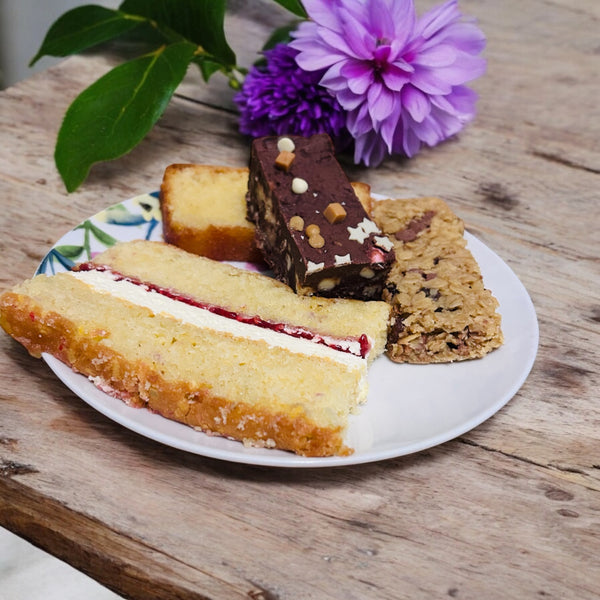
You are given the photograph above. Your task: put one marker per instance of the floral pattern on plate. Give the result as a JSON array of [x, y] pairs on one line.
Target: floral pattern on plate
[[135, 219]]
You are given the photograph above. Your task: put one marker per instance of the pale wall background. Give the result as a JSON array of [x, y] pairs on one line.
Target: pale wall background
[[23, 24]]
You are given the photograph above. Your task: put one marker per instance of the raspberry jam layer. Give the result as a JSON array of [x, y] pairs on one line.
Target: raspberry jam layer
[[358, 346]]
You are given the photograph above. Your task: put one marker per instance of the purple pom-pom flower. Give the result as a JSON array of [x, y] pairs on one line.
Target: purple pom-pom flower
[[400, 79], [281, 98]]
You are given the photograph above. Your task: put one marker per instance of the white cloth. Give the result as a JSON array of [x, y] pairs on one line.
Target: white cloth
[[28, 573]]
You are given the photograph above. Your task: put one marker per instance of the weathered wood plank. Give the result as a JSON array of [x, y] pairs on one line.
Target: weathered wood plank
[[509, 508]]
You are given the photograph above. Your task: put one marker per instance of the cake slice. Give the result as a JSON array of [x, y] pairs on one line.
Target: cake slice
[[358, 326], [190, 357], [311, 228], [204, 211], [441, 311]]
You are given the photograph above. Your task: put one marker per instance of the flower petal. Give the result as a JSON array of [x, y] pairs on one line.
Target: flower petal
[[359, 76], [369, 149], [381, 23], [348, 100], [398, 80], [465, 68], [350, 45], [380, 101], [461, 101], [441, 55], [429, 131], [404, 18], [324, 14], [445, 124], [280, 97], [317, 58], [359, 120], [395, 77], [333, 80], [360, 39], [406, 141], [437, 18], [430, 81], [416, 103], [388, 128], [466, 37]]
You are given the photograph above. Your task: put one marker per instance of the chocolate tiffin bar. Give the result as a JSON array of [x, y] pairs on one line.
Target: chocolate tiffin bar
[[310, 226]]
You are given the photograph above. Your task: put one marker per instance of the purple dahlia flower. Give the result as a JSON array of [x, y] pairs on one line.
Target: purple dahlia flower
[[280, 98], [401, 79]]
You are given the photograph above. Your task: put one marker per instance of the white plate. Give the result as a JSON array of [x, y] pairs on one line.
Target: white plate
[[410, 407]]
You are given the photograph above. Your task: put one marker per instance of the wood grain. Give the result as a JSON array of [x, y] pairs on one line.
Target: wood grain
[[511, 509]]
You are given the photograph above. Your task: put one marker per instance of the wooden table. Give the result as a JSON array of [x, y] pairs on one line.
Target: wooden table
[[508, 510]]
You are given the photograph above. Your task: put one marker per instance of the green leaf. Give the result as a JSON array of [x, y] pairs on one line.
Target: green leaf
[[294, 6], [281, 35], [207, 66], [102, 236], [82, 28], [115, 113], [200, 21], [70, 251]]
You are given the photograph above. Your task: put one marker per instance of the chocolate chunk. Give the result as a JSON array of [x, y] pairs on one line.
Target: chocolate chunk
[[397, 328], [412, 230], [391, 288], [431, 293], [424, 275]]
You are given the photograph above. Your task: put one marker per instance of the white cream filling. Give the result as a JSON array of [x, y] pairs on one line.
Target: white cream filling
[[108, 283], [352, 346]]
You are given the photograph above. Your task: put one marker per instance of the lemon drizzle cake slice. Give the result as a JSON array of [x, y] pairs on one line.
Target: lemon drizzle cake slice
[[204, 211], [210, 371]]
